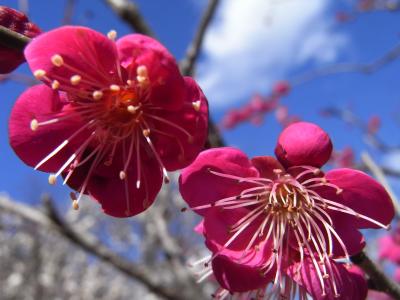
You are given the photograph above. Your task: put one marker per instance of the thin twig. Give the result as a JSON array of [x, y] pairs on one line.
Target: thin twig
[[380, 176], [380, 281], [187, 65], [372, 67], [129, 12], [89, 243]]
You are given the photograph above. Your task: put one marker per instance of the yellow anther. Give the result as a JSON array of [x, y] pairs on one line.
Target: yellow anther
[[115, 88], [132, 109], [146, 132], [34, 125], [112, 35], [75, 79], [339, 191], [316, 171], [142, 71], [55, 84], [129, 82], [196, 105], [97, 95], [75, 205], [142, 74], [122, 175], [57, 60], [39, 74], [52, 179]]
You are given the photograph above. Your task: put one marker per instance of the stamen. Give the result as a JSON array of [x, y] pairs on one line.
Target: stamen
[[122, 175], [52, 179], [75, 79], [34, 125], [196, 105], [115, 88], [39, 74], [142, 74], [112, 35], [132, 109], [57, 60], [75, 204], [97, 95], [55, 84]]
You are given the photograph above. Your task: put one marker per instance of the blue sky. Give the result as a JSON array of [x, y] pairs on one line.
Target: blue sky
[[248, 48]]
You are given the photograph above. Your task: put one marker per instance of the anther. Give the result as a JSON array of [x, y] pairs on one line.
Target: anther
[[112, 35], [57, 60], [34, 125], [142, 74], [196, 105], [115, 88], [75, 79], [97, 95], [277, 171], [183, 209], [129, 82], [75, 205], [325, 276], [122, 175], [55, 84], [323, 180], [166, 180], [339, 191], [52, 179], [316, 171], [39, 74], [132, 109], [146, 132]]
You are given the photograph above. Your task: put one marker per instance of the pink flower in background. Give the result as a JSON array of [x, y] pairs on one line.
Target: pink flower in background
[[281, 88], [344, 158], [111, 117], [373, 125], [273, 219], [389, 246], [16, 21]]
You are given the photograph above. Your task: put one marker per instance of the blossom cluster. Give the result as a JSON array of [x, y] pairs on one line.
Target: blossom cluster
[[113, 116]]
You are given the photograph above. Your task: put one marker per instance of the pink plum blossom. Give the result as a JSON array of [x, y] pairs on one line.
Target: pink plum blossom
[[284, 219], [111, 117]]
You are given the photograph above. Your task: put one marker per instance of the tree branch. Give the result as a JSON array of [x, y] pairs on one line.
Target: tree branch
[[187, 65], [380, 281], [129, 12], [372, 67], [90, 244]]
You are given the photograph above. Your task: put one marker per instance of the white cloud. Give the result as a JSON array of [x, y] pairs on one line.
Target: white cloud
[[252, 43]]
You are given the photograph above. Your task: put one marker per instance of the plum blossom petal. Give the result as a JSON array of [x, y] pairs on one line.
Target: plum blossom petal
[[219, 229], [197, 176], [347, 285], [267, 166], [363, 194], [303, 143], [184, 132], [239, 276], [167, 85], [121, 198], [74, 51], [39, 103]]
